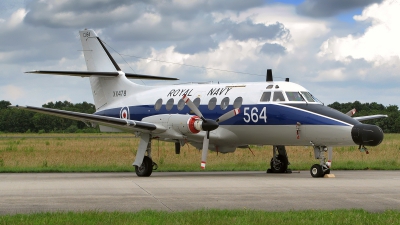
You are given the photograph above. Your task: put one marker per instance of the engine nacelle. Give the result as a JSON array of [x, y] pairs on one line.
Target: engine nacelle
[[182, 124]]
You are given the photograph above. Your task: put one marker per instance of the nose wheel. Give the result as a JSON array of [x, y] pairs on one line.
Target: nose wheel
[[319, 170]]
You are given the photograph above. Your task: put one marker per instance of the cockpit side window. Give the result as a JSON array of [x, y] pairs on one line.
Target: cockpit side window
[[266, 97], [308, 96], [278, 96], [294, 96]]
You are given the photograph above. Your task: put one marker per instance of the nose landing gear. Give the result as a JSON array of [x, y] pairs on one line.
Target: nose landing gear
[[319, 170]]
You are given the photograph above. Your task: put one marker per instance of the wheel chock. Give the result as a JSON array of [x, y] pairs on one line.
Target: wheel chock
[[329, 175]]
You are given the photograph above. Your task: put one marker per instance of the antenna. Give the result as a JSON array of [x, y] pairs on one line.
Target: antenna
[[269, 75]]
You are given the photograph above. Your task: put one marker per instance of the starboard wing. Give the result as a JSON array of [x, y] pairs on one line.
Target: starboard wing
[[362, 118]]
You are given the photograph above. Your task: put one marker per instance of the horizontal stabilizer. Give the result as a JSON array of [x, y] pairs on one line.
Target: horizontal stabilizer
[[101, 74], [127, 125], [362, 118]]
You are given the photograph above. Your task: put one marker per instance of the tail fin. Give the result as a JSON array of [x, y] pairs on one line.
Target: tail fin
[[106, 78], [98, 59]]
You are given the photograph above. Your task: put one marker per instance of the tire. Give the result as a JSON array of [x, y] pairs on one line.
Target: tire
[[316, 171], [279, 165], [145, 169]]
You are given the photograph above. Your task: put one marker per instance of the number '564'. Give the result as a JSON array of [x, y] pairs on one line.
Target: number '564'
[[254, 115]]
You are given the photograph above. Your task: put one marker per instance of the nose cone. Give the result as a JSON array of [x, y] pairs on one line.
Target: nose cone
[[366, 134], [209, 125]]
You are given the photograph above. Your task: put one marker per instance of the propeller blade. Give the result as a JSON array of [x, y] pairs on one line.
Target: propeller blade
[[193, 107], [351, 112], [228, 115], [204, 152]]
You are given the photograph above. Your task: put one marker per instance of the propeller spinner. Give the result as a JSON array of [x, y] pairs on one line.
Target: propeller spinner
[[208, 125]]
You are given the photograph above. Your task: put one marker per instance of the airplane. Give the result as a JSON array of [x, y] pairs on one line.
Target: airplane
[[220, 117]]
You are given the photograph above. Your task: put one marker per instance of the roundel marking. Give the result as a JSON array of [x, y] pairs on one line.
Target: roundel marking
[[124, 113]]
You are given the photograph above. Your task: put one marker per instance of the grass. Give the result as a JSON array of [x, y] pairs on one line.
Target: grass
[[204, 216], [116, 152]]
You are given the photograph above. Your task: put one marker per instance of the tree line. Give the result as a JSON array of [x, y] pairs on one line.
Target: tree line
[[22, 121], [388, 125]]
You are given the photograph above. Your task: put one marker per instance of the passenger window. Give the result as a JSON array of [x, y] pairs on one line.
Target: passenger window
[[278, 96], [181, 104], [158, 104], [170, 104], [224, 103], [212, 103], [237, 103], [196, 102], [308, 96], [266, 97], [294, 96]]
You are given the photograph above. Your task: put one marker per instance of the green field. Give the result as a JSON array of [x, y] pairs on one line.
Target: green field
[[116, 152], [228, 217]]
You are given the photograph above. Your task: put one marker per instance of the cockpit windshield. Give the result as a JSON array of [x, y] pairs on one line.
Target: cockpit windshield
[[294, 96], [308, 96]]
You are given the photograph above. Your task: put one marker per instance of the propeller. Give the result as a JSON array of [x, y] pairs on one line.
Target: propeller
[[208, 125], [351, 112]]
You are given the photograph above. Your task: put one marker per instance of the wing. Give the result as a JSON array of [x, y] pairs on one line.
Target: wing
[[126, 125], [362, 118], [101, 74]]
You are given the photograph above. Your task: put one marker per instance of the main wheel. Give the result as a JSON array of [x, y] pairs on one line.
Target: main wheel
[[146, 168], [316, 171], [279, 165]]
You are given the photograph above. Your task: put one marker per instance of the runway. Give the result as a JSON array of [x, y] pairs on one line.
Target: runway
[[177, 191]]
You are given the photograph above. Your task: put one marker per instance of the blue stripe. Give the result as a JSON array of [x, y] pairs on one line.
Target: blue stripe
[[276, 114]]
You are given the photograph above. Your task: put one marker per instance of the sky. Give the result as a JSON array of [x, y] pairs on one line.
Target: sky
[[340, 50]]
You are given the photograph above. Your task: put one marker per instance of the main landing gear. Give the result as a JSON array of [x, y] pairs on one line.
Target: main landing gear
[[279, 161], [319, 170], [144, 165]]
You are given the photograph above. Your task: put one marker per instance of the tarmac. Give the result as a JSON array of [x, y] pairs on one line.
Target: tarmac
[[373, 191]]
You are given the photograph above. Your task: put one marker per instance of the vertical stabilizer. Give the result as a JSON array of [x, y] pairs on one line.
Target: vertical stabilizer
[[98, 59]]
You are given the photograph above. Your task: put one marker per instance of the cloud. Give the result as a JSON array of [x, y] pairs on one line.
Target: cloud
[[12, 92], [273, 49], [328, 8], [377, 44], [244, 36]]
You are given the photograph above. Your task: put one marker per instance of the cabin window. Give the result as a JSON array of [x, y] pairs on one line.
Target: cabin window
[[237, 103], [308, 96], [196, 102], [266, 96], [181, 104], [294, 96], [170, 104], [158, 104], [212, 103], [270, 86], [224, 103], [278, 96]]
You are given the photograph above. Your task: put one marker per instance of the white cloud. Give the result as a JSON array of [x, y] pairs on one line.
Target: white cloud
[[11, 92], [302, 29], [331, 75], [16, 18], [379, 44]]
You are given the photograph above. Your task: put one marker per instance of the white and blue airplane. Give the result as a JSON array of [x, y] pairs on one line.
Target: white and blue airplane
[[216, 117]]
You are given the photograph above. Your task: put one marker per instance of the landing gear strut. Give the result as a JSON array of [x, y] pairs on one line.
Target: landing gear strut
[[319, 170], [279, 162], [144, 165]]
